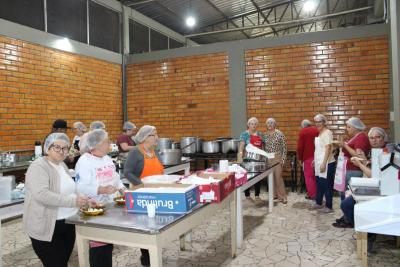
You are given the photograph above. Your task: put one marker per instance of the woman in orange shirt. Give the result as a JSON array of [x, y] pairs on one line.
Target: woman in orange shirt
[[143, 161]]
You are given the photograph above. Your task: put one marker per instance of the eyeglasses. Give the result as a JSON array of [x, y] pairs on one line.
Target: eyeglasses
[[375, 137], [64, 149], [152, 135]]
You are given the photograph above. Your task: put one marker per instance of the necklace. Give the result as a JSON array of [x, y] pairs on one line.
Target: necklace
[[148, 154]]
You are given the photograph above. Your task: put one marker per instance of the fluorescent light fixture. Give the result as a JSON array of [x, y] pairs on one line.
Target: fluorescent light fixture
[[309, 5], [190, 21], [63, 44]]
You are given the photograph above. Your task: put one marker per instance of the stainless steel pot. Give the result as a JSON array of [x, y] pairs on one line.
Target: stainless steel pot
[[170, 156], [249, 156], [188, 145], [164, 143], [210, 146], [230, 146], [254, 166]]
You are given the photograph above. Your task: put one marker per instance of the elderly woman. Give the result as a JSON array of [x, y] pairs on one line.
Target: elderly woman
[[50, 198], [124, 141], [275, 142], [94, 125], [254, 137], [143, 161], [324, 165], [79, 129], [377, 139], [357, 143], [97, 178]]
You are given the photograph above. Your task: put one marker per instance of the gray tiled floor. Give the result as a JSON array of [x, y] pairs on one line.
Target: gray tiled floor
[[290, 236]]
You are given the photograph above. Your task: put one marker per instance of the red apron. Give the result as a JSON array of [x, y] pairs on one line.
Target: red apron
[[256, 141]]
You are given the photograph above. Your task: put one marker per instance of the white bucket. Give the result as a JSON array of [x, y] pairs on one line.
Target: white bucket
[[5, 188]]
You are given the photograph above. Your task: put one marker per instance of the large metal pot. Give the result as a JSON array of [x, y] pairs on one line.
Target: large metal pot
[[176, 145], [250, 156], [188, 145], [230, 146], [170, 156], [164, 143], [210, 146]]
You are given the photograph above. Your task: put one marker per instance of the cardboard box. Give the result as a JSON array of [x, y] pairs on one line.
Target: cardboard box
[[176, 198], [216, 192], [240, 178]]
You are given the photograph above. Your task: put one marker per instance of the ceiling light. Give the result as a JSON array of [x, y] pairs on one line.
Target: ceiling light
[[190, 21], [309, 5]]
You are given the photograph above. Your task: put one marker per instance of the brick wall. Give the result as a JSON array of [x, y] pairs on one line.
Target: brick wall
[[186, 96], [339, 79], [39, 85]]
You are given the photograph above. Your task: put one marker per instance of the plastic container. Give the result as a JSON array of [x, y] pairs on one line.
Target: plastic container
[[5, 188]]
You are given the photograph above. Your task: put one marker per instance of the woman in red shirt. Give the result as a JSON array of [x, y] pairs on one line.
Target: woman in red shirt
[[358, 142]]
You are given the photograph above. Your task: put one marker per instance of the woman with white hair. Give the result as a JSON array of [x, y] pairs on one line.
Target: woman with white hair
[[97, 178], [254, 137], [94, 125], [142, 161], [378, 139], [50, 197], [275, 142], [324, 165], [358, 143], [125, 142]]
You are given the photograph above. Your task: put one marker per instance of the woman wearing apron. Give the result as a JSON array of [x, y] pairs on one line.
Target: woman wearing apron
[[324, 165], [143, 161], [254, 137]]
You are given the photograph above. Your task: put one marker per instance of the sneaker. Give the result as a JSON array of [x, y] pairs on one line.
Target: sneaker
[[325, 210], [342, 225], [316, 207]]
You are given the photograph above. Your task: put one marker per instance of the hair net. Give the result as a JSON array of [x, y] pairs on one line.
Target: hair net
[[305, 123], [95, 137], [380, 131], [356, 123], [97, 125], [54, 137], [252, 120], [128, 126], [80, 126], [271, 120], [320, 117], [143, 133]]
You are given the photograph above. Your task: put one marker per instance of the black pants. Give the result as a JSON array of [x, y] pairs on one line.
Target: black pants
[[101, 256], [257, 189], [59, 249]]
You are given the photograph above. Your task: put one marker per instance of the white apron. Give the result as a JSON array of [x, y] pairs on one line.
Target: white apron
[[319, 154]]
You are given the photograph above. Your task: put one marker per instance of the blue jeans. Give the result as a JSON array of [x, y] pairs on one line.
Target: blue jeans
[[325, 187], [347, 206], [349, 174]]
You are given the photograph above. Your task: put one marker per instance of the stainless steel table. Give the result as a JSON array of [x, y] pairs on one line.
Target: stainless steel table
[[252, 181], [20, 165], [117, 226]]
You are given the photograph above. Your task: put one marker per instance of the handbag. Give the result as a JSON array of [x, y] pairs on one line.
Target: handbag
[[340, 174]]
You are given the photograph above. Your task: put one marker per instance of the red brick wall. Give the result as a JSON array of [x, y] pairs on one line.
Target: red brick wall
[[39, 85], [187, 96], [339, 79]]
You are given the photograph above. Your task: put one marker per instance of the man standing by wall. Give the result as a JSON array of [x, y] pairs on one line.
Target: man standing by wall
[[305, 153]]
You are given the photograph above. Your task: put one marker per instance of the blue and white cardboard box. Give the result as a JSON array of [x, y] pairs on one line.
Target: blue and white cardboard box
[[168, 198]]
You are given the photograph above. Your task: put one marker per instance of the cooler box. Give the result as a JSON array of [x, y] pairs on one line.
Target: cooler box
[[168, 198], [216, 192]]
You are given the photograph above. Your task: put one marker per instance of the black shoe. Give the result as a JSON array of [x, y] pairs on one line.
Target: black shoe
[[145, 261], [341, 220], [342, 225]]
